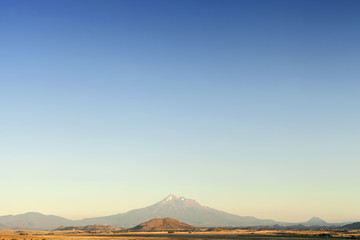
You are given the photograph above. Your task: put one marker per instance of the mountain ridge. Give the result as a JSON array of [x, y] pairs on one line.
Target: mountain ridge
[[182, 209], [352, 226], [33, 221], [173, 206], [89, 228]]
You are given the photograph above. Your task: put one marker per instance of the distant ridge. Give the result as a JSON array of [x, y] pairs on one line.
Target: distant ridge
[[89, 228], [185, 210], [33, 221], [352, 226], [161, 224], [2, 226]]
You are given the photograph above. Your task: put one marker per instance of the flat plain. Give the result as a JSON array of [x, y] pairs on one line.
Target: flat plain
[[199, 235]]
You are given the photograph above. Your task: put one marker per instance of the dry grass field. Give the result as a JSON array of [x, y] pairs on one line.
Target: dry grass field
[[225, 234]]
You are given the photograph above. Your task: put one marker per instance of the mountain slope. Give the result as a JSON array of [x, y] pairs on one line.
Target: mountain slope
[[33, 221], [161, 224], [3, 226], [89, 228], [180, 208], [315, 221], [185, 210], [352, 226]]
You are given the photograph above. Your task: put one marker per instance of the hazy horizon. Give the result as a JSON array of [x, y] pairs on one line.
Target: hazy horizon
[[114, 213], [249, 107]]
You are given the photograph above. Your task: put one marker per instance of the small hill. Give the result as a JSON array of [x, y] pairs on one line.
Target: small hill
[[355, 225], [315, 221], [162, 224], [90, 228]]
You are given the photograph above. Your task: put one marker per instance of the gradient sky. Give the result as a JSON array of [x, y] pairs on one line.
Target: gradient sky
[[250, 107]]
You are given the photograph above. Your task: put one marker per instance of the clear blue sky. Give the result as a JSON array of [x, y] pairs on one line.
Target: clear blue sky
[[251, 107]]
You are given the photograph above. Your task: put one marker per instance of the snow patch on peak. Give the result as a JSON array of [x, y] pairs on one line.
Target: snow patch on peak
[[177, 200], [171, 197]]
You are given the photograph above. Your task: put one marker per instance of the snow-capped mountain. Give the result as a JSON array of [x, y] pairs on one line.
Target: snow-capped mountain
[[181, 209]]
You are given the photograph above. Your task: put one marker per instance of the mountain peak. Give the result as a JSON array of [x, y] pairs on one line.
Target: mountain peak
[[171, 197], [161, 224], [175, 201], [316, 221], [33, 213]]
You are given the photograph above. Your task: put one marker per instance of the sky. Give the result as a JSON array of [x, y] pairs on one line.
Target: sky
[[250, 107]]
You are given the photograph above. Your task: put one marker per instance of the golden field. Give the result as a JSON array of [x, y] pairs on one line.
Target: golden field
[[203, 235]]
